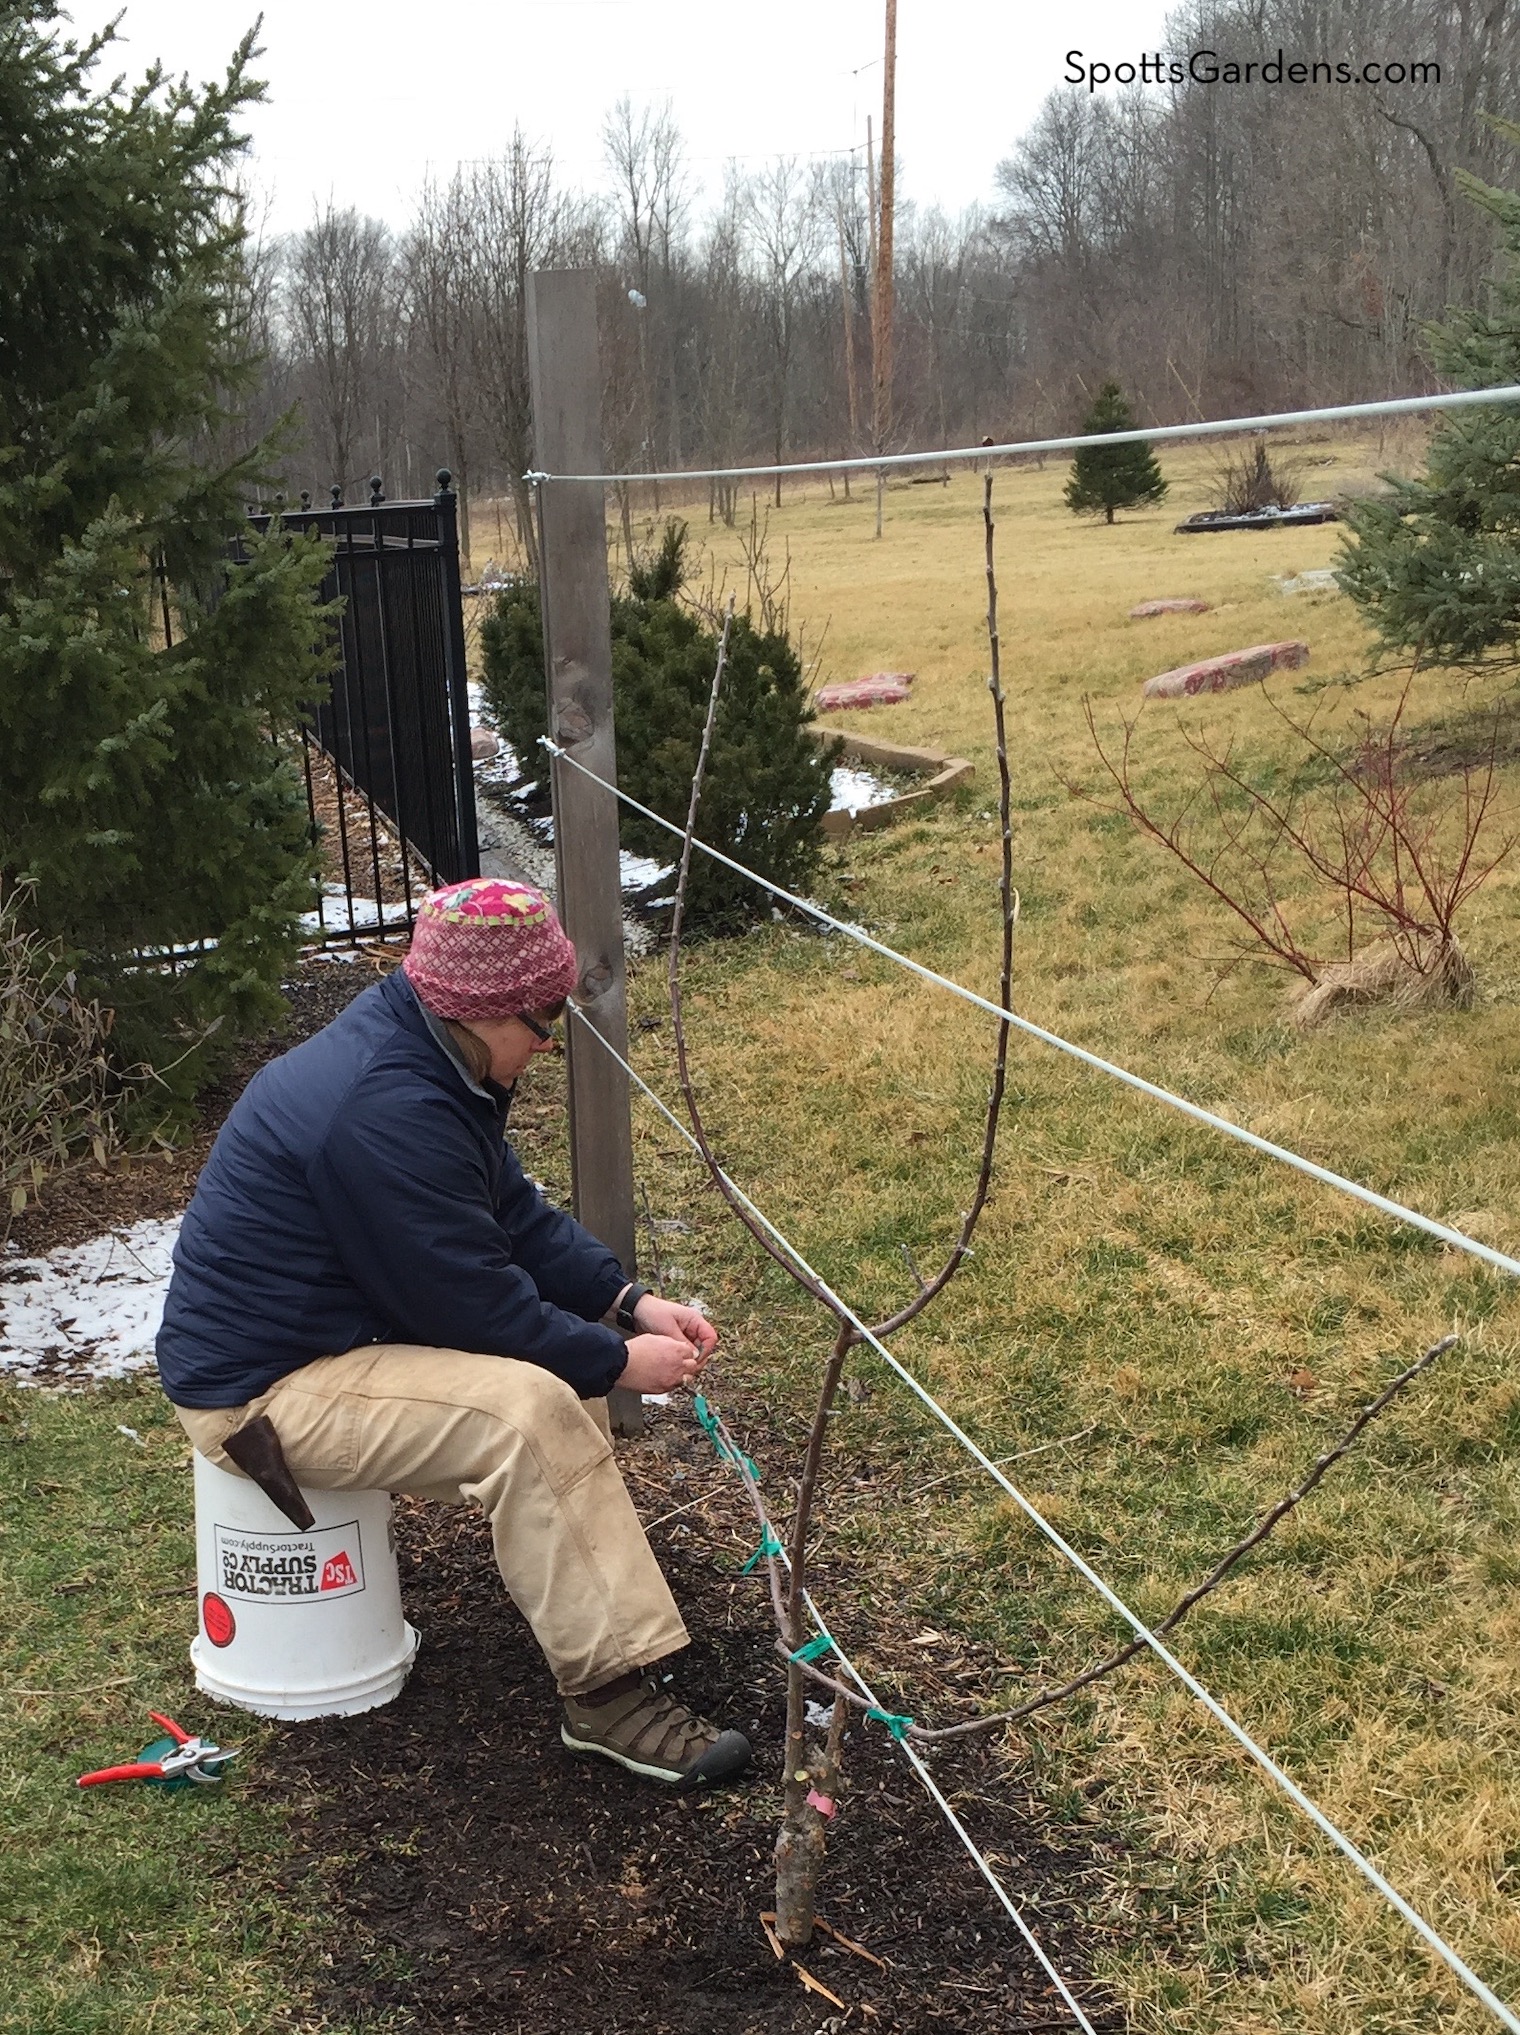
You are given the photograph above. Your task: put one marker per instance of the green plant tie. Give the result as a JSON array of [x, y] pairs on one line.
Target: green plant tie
[[813, 1649], [707, 1420], [898, 1726], [769, 1545]]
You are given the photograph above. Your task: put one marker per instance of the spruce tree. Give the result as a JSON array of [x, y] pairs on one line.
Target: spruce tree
[[1109, 477], [768, 782], [144, 804], [1435, 565]]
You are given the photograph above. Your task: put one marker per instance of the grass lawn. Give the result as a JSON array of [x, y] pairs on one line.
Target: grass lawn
[[122, 1908], [1176, 1326]]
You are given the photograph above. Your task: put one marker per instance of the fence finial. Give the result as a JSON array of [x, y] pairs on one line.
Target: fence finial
[[306, 498], [336, 492], [445, 480], [376, 491]]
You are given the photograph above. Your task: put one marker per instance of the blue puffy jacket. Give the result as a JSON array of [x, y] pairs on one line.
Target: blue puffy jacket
[[362, 1191]]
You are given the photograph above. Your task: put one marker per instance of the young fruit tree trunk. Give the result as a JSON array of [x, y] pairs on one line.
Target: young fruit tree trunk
[[811, 1777]]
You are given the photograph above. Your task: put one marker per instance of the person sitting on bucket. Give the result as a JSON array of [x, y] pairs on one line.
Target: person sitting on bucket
[[365, 1263]]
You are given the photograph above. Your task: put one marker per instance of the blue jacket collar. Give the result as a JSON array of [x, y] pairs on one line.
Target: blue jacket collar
[[408, 1006]]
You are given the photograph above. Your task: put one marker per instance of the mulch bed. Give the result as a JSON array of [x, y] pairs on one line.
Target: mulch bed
[[473, 1876]]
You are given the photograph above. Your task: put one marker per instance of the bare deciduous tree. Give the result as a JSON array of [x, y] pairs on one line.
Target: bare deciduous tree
[[341, 309], [440, 267], [783, 215], [518, 225]]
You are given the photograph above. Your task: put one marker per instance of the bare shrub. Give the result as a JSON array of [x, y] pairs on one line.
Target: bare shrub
[[55, 1078], [1395, 873], [767, 585], [1251, 481]]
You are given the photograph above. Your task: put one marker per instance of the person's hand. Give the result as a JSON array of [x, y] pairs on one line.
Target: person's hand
[[658, 1363], [666, 1317]]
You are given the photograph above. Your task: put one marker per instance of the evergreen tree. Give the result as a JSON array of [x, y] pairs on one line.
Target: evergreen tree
[[142, 799], [1109, 477], [768, 783], [1435, 565]]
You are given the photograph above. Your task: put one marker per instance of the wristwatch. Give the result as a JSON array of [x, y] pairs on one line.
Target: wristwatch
[[625, 1315]]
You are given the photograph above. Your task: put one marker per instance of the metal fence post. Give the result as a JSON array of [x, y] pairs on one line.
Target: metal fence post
[[565, 377], [446, 502]]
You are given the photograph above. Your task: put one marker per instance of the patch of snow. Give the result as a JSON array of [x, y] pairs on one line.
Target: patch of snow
[[639, 871], [853, 789], [366, 913], [501, 772], [86, 1311], [187, 950]]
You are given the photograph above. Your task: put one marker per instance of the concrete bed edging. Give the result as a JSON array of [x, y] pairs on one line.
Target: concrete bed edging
[[943, 772]]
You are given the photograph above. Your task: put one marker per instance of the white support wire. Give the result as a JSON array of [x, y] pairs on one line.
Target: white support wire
[[1190, 1682], [1338, 413], [1453, 1237]]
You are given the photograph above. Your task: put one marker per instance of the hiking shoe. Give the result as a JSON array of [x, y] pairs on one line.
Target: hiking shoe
[[643, 1728]]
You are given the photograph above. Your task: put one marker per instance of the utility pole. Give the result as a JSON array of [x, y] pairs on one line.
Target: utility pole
[[881, 310]]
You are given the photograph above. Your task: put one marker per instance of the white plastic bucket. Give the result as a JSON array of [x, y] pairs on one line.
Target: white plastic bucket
[[296, 1624]]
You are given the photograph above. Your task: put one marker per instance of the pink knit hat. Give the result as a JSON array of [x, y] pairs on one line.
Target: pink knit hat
[[488, 949]]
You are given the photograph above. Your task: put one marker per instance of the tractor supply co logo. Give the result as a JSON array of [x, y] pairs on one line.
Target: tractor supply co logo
[[290, 1567]]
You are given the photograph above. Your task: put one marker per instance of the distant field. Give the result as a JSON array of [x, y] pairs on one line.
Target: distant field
[[1141, 1286]]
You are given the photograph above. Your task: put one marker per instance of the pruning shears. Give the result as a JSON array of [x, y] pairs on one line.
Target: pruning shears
[[170, 1762]]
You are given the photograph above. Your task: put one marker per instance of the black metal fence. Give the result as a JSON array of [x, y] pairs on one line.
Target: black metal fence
[[389, 778]]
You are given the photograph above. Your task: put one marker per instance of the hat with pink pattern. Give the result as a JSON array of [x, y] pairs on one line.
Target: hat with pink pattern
[[489, 949]]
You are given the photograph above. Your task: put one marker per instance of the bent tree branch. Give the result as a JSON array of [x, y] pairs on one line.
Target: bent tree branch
[[1045, 1699]]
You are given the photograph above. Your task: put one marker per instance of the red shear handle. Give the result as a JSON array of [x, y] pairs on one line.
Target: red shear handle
[[176, 1731], [136, 1770]]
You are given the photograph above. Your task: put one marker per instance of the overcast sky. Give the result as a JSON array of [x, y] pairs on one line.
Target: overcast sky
[[368, 99]]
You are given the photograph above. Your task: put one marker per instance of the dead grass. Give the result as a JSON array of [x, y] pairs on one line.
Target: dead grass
[[1203, 1321], [1382, 975]]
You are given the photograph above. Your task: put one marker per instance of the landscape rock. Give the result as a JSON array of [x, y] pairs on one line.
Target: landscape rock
[[484, 743], [1222, 674], [1169, 607], [1321, 580], [880, 689]]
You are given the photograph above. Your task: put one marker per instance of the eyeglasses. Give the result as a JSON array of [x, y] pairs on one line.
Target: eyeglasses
[[543, 1033]]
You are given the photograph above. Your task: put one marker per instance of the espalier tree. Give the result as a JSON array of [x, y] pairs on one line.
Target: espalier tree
[[144, 805], [1435, 564], [1109, 477], [768, 781]]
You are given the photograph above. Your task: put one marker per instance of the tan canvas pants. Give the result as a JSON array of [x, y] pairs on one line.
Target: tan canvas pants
[[509, 1437]]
